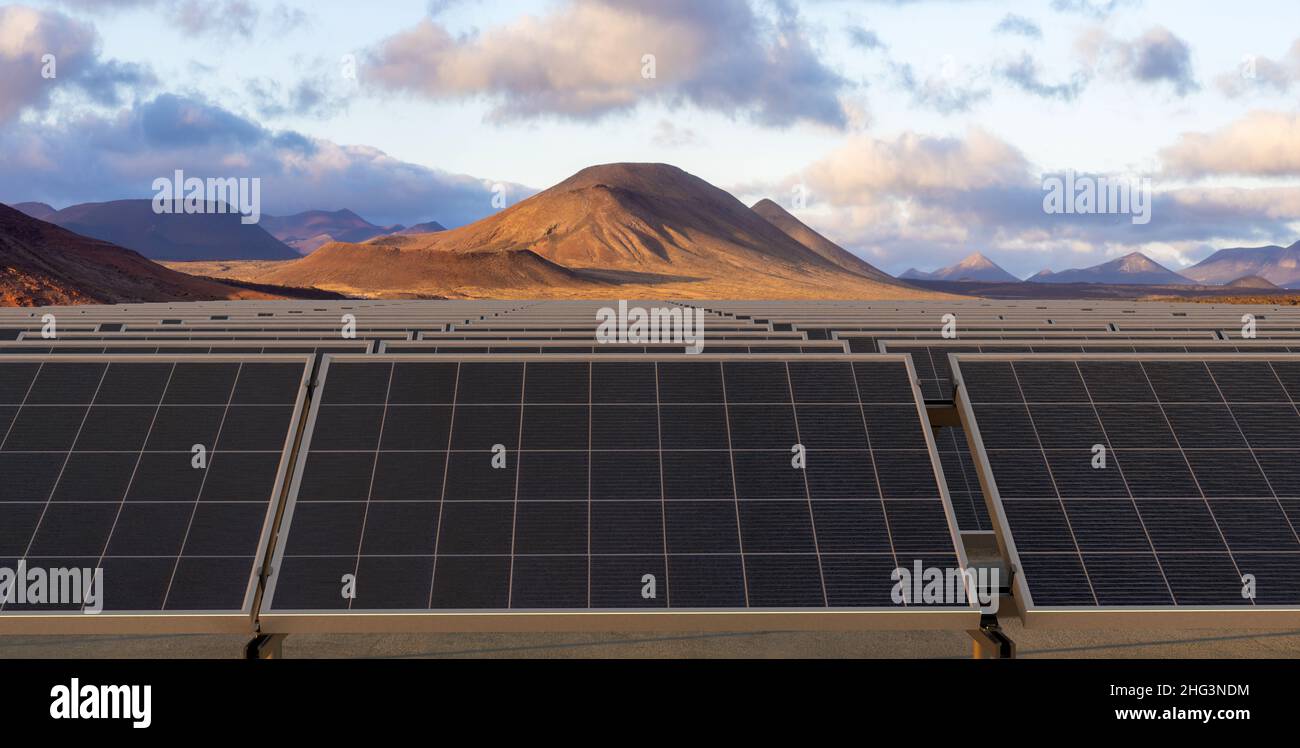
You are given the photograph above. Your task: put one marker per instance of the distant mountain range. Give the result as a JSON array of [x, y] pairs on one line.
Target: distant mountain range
[[1258, 267], [1278, 265], [309, 231], [975, 268], [169, 236], [43, 264], [1131, 269]]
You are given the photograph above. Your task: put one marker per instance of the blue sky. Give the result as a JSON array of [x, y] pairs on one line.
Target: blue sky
[[919, 129]]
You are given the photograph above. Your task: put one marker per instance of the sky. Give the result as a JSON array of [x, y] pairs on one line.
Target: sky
[[911, 132]]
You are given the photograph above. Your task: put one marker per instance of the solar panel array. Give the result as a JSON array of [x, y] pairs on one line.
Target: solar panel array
[[99, 465], [608, 473], [396, 488], [1196, 505]]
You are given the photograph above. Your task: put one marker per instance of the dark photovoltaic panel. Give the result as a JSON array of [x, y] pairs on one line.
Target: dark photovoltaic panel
[[96, 454], [616, 468], [1198, 503], [578, 347], [968, 504], [317, 350], [934, 372]]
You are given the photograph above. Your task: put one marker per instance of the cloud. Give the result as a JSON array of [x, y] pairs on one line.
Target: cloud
[[1024, 74], [927, 201], [669, 135], [96, 157], [1263, 75], [911, 164], [1098, 9], [585, 59], [864, 38], [320, 96], [221, 18], [1260, 144], [947, 90], [227, 17], [27, 35], [1157, 56], [1019, 26]]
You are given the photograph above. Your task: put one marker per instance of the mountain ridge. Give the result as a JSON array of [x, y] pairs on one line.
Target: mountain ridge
[[43, 264]]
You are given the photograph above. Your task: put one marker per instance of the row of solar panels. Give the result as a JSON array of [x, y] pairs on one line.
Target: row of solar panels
[[510, 492]]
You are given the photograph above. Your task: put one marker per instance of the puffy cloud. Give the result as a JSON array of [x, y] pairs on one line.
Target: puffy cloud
[[585, 59], [912, 163], [1264, 144], [1157, 56], [1263, 74], [27, 35], [94, 158]]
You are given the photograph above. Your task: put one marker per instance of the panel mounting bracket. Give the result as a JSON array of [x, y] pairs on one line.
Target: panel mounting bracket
[[265, 647], [990, 642]]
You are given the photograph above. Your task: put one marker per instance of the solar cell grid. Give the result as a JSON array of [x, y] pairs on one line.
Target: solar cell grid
[[1200, 503], [606, 471], [99, 473]]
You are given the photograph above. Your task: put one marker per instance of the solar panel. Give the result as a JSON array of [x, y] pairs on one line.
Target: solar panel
[[934, 371], [1190, 519], [460, 347], [101, 470], [593, 491]]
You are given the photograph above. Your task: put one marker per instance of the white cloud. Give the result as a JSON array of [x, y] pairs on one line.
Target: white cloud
[[586, 59], [28, 35], [1262, 143]]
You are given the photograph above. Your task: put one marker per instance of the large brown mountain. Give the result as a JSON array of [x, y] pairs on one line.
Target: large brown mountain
[[43, 264], [614, 230]]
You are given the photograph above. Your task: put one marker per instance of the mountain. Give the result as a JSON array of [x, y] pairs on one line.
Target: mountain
[[428, 227], [42, 264], [800, 232], [1041, 275], [172, 236], [616, 229], [1253, 281], [1131, 269], [39, 211], [976, 267], [1280, 265], [308, 231]]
